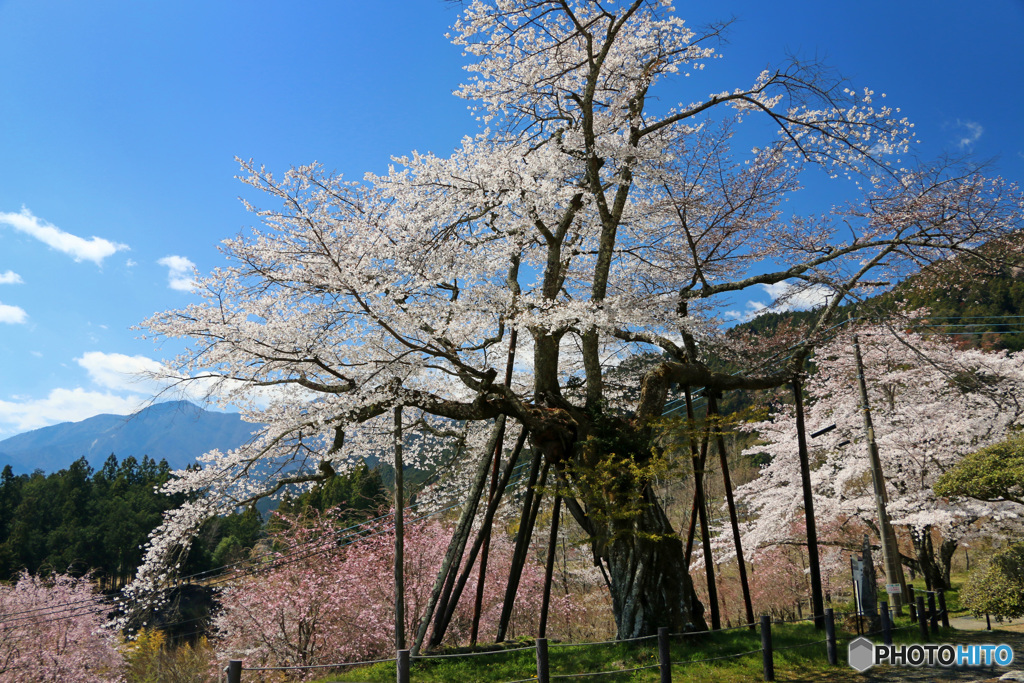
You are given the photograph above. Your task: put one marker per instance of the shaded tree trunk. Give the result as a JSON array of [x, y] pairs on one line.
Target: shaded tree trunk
[[614, 502], [650, 582], [935, 572]]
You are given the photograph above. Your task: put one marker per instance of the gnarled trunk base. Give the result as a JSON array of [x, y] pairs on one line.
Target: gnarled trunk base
[[650, 584]]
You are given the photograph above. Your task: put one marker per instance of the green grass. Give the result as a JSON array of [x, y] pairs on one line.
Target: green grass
[[798, 656], [803, 663]]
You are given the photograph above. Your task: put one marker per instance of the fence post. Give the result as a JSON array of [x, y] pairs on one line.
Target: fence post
[[830, 637], [913, 607], [664, 655], [943, 610], [235, 671], [886, 624], [933, 613], [542, 660], [766, 648], [922, 619], [402, 666]]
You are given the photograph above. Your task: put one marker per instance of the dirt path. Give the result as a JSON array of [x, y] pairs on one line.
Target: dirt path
[[1012, 635]]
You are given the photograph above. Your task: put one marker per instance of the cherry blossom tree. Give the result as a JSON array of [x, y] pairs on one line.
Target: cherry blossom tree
[[329, 604], [52, 630], [932, 404], [586, 219]]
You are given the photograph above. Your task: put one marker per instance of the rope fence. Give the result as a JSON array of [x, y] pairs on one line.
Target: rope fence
[[921, 617]]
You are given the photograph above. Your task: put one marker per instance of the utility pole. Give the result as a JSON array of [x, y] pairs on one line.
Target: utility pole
[[890, 553]]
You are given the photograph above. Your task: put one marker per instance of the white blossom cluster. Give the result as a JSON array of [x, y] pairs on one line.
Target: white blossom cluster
[[931, 403]]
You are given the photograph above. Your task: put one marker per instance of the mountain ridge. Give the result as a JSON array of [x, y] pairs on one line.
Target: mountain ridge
[[177, 431]]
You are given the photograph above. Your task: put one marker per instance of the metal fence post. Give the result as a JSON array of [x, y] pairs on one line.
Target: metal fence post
[[542, 660], [933, 614], [766, 648], [886, 624], [830, 636], [664, 655], [942, 609], [922, 618], [402, 666], [235, 671]]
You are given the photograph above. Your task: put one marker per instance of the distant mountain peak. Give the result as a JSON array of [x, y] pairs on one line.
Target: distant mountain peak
[[178, 431]]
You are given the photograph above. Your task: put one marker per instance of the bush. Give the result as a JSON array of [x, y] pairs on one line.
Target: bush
[[150, 659], [997, 588]]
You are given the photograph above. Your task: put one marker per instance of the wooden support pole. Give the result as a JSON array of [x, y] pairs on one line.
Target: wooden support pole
[[733, 517], [944, 613], [922, 619], [664, 655], [933, 614], [886, 623], [441, 626], [549, 568], [453, 555], [399, 534], [767, 656], [543, 673], [402, 667], [702, 514], [486, 543], [485, 551], [830, 637], [817, 598], [531, 502]]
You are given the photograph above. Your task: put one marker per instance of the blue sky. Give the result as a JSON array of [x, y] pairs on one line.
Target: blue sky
[[120, 121]]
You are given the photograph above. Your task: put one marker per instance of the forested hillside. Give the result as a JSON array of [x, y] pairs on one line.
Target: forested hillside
[[980, 311], [79, 520]]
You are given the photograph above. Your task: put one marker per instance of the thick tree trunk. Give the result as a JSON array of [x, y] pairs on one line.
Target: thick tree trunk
[[606, 465], [650, 583]]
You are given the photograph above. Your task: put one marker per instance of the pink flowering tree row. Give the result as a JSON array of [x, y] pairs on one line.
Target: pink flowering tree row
[[321, 603], [52, 630]]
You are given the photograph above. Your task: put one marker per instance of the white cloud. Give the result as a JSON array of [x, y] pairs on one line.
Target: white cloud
[[12, 314], [130, 263], [95, 249], [120, 372], [974, 132], [10, 278], [64, 405], [787, 297], [180, 272], [148, 377]]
